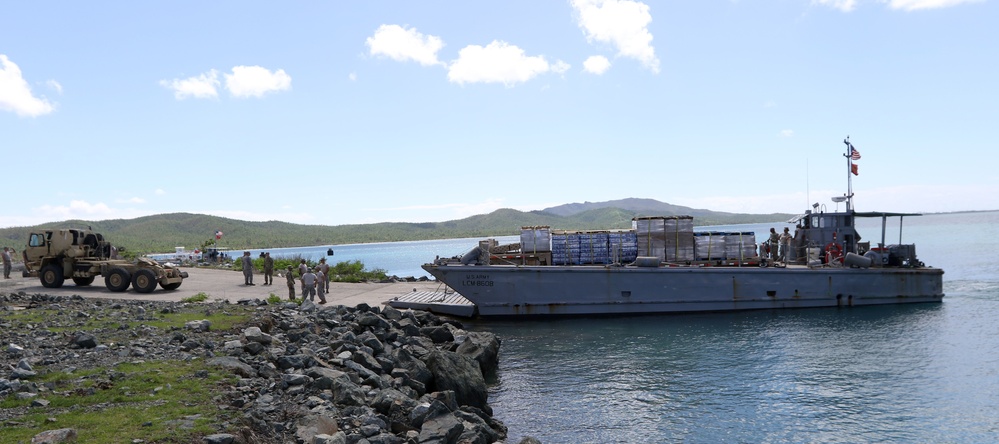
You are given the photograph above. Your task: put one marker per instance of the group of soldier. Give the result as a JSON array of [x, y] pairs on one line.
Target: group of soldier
[[314, 281]]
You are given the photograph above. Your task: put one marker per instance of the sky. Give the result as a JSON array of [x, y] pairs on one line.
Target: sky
[[355, 112]]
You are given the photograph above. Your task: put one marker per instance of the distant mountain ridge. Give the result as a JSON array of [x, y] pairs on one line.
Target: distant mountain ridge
[[643, 207], [163, 232]]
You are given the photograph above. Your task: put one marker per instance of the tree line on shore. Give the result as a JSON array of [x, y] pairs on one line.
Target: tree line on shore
[[163, 232]]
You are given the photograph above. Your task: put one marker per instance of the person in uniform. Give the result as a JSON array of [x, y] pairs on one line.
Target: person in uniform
[[6, 263], [325, 268], [309, 285], [291, 283], [268, 269], [320, 288], [772, 243], [785, 244], [247, 269]]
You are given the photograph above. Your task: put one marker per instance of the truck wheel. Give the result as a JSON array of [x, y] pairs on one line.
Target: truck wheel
[[51, 276], [144, 280], [118, 279], [83, 281], [172, 286]]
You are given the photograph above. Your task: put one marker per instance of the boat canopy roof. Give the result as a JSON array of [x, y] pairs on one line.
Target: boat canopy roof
[[883, 214]]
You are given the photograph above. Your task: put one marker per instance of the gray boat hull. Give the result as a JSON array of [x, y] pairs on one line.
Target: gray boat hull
[[504, 290]]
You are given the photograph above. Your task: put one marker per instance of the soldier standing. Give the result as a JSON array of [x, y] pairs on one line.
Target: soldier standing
[[325, 268], [309, 285], [268, 269], [291, 283], [247, 269], [6, 263], [320, 288]]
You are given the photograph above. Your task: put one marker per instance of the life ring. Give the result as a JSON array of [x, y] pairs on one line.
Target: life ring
[[834, 252]]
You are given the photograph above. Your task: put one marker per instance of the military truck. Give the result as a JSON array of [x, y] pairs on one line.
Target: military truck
[[83, 255]]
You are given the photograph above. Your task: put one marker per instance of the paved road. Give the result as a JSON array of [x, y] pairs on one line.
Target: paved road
[[223, 284]]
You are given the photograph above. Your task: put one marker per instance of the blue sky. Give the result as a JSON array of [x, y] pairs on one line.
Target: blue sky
[[372, 111]]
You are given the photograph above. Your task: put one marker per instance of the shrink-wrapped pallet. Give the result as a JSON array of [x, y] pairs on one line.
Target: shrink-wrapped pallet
[[670, 238], [740, 245], [710, 245], [535, 239]]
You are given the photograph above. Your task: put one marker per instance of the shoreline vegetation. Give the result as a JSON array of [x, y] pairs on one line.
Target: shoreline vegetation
[[164, 232]]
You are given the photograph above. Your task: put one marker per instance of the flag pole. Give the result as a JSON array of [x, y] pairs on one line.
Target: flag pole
[[849, 171]]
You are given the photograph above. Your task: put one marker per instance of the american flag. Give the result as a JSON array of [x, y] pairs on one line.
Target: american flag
[[854, 154], [218, 234]]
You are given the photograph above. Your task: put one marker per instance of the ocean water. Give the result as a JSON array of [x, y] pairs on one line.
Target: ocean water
[[914, 373]]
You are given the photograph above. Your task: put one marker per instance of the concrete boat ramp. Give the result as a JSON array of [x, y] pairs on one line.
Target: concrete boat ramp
[[439, 302]]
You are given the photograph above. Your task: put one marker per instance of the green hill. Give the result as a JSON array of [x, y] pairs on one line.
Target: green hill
[[163, 232]]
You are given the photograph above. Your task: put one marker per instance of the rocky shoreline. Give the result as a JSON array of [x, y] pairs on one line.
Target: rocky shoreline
[[304, 373]]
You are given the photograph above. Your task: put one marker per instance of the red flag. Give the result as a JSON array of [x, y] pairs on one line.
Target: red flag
[[854, 169], [854, 154]]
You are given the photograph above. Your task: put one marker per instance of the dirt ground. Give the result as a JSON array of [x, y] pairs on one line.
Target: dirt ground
[[224, 284]]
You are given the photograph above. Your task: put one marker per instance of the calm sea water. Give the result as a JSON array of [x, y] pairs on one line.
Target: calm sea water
[[918, 373]]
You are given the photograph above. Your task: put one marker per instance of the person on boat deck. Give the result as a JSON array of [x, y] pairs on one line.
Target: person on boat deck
[[773, 242], [799, 243], [785, 244]]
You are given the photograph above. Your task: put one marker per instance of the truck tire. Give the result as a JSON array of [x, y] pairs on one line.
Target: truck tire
[[118, 279], [172, 286], [144, 280], [51, 276], [83, 281]]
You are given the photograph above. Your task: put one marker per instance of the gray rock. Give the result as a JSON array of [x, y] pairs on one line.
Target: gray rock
[[483, 347], [461, 375], [254, 334], [233, 364], [83, 340], [438, 334], [200, 325], [54, 436], [443, 429], [220, 438]]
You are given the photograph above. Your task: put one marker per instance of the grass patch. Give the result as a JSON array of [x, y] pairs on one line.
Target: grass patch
[[225, 318], [200, 297], [164, 402]]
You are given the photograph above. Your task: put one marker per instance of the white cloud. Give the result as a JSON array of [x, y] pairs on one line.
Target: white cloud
[[255, 81], [204, 86], [54, 85], [77, 209], [596, 65], [912, 5], [352, 77], [560, 67], [401, 44], [842, 5], [499, 62], [787, 133], [160, 192], [15, 94], [621, 23], [133, 200], [904, 5]]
